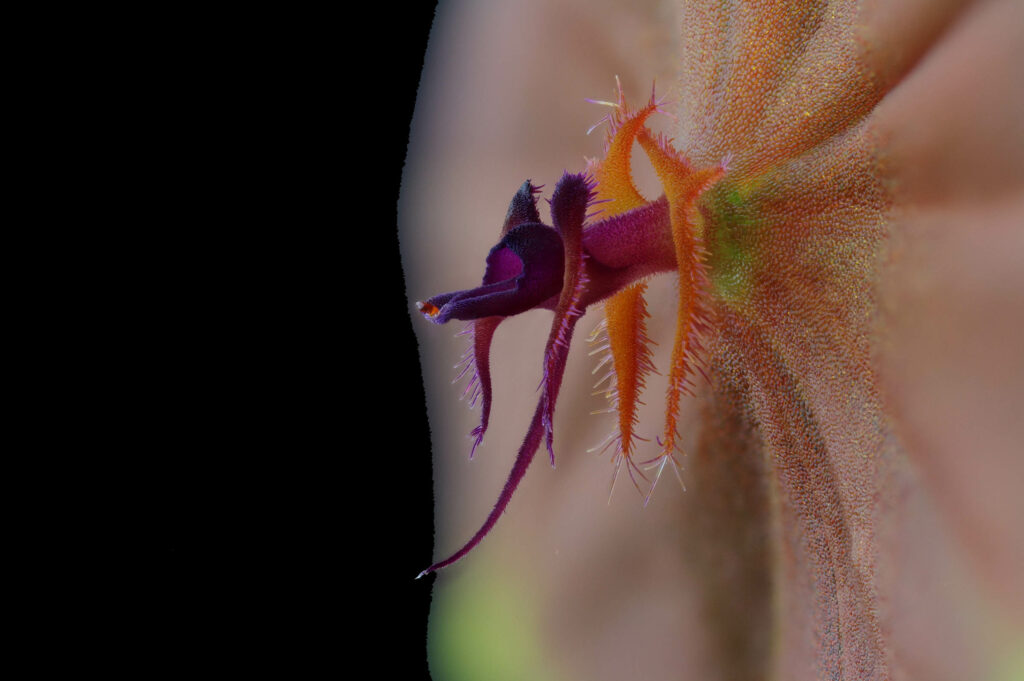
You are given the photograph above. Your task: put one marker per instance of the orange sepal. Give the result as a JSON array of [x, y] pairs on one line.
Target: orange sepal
[[683, 187], [625, 312]]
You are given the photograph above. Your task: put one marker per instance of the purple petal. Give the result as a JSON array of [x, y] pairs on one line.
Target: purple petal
[[526, 452], [537, 277], [573, 196], [483, 332], [522, 209], [503, 264]]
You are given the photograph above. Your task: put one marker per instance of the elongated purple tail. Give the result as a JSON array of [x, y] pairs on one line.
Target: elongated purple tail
[[526, 452]]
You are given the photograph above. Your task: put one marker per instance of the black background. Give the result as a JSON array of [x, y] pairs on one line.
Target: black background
[[271, 466]]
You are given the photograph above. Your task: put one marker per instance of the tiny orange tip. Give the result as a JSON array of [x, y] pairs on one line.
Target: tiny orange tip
[[428, 309]]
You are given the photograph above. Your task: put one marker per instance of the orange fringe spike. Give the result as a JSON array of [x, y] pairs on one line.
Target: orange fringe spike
[[683, 186], [625, 312]]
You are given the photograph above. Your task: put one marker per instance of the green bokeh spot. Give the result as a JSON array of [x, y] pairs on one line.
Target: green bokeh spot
[[483, 627], [1011, 667]]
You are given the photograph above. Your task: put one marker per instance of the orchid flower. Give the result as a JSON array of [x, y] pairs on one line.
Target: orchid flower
[[570, 266], [840, 221]]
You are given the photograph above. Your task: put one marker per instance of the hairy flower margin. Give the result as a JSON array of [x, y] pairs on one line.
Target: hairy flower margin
[[579, 261]]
